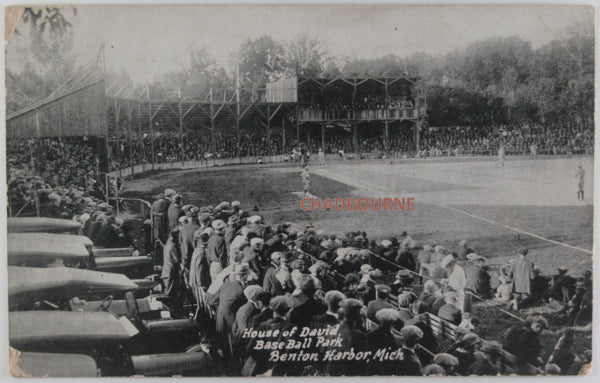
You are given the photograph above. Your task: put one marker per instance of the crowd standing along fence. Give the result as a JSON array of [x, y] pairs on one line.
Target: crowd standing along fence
[[351, 156]]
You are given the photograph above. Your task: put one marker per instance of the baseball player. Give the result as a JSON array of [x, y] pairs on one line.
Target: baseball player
[[321, 158], [501, 156], [580, 175], [305, 179]]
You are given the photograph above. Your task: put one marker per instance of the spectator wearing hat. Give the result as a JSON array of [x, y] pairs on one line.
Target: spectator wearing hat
[[464, 351], [504, 289], [306, 306], [159, 223], [410, 364], [433, 370], [528, 346], [352, 336], [174, 212], [270, 282], [230, 298], [447, 361], [380, 302], [186, 238], [330, 318], [233, 225], [168, 198], [561, 288], [406, 259], [407, 305], [258, 361], [170, 268], [424, 259], [216, 250], [382, 338], [456, 279], [522, 274], [107, 235], [240, 239], [489, 360], [404, 280], [449, 311], [222, 211], [478, 278], [244, 315], [406, 241], [199, 271], [579, 308], [351, 283], [562, 355], [368, 288], [386, 250], [251, 254], [431, 292], [463, 250], [263, 300]]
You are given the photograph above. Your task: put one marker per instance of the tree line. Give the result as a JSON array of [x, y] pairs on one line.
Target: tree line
[[497, 81]]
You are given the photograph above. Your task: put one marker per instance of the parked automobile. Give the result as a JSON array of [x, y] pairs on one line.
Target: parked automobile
[[111, 341], [42, 224]]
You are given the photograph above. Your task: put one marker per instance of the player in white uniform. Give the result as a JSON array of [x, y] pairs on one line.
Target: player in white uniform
[[321, 158], [580, 175], [305, 179], [501, 155]]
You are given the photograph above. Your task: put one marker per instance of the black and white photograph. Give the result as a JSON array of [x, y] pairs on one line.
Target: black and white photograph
[[299, 190]]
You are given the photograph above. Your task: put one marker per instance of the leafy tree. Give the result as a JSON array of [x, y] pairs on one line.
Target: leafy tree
[[261, 60], [303, 57], [48, 62]]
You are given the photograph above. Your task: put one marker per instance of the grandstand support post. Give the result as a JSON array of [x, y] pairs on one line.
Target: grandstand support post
[[387, 138], [297, 125], [418, 134], [355, 136], [283, 134], [151, 128], [323, 136], [180, 115], [212, 123], [139, 135], [237, 119], [129, 135], [268, 124]]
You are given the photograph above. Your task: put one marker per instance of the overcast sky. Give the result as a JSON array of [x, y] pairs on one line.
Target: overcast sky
[[147, 41]]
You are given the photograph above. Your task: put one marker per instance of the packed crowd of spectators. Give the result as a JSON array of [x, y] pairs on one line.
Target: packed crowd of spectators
[[52, 177], [434, 142], [255, 277], [370, 102], [167, 148], [520, 139]]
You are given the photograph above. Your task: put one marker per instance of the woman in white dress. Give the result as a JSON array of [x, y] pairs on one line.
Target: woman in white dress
[[456, 279]]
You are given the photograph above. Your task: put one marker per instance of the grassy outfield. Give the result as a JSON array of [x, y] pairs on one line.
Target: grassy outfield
[[271, 192]]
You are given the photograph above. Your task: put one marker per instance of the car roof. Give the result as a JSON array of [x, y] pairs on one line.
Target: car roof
[[34, 283], [32, 329], [23, 248], [56, 237], [55, 365], [41, 224]]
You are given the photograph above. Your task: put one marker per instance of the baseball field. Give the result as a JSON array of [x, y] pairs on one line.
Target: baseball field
[[528, 202]]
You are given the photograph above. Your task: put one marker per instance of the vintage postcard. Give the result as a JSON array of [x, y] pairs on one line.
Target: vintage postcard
[[306, 190]]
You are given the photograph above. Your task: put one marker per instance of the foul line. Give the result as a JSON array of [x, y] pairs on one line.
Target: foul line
[[513, 228], [356, 183]]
